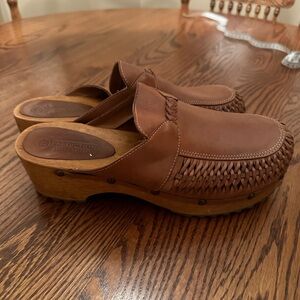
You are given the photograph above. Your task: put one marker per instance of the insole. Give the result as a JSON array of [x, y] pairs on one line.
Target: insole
[[60, 143], [66, 143], [57, 106], [69, 108], [53, 109]]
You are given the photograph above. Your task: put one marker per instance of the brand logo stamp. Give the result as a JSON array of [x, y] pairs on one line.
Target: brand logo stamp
[[68, 146]]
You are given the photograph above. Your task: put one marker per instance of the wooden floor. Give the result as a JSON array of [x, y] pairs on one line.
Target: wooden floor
[[115, 247]]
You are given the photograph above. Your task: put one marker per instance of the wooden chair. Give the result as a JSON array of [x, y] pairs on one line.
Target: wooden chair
[[250, 8], [255, 8], [14, 10]]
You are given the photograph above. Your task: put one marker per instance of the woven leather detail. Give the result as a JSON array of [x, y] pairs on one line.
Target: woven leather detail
[[197, 176], [235, 105], [171, 107]]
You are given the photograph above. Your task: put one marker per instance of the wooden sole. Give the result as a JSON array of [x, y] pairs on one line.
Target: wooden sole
[[24, 121], [53, 178]]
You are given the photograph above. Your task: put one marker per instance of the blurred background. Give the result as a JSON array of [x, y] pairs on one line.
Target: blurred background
[[30, 8]]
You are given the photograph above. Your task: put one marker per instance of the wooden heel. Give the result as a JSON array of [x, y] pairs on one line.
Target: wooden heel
[[59, 184]]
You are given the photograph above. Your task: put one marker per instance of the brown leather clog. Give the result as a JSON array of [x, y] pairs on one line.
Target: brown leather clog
[[213, 96], [188, 159], [124, 77]]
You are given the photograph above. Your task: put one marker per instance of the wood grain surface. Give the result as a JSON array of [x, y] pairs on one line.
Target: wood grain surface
[[116, 247]]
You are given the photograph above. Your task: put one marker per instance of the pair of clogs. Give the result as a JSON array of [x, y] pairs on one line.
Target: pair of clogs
[[192, 150]]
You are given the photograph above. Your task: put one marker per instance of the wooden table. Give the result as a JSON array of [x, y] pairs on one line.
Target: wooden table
[[122, 248]]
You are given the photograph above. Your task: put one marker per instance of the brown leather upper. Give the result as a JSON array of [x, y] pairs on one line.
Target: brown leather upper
[[112, 112], [197, 152], [124, 79], [212, 96], [122, 83]]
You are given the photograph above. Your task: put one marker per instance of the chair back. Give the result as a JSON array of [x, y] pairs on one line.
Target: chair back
[[263, 9]]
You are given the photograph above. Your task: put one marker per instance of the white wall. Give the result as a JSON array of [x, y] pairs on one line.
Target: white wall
[[30, 8]]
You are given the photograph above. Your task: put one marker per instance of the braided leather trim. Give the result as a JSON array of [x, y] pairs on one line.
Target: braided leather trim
[[171, 109], [235, 105], [171, 106], [197, 176]]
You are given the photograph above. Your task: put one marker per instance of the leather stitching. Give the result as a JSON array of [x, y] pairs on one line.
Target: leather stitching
[[235, 105], [196, 101], [198, 177], [234, 95], [279, 141], [123, 74], [219, 102], [93, 113], [137, 123], [174, 161], [133, 150], [264, 153]]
